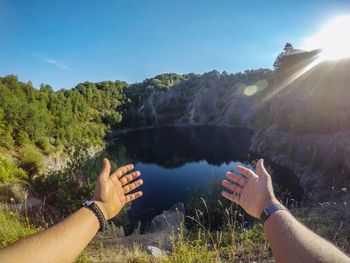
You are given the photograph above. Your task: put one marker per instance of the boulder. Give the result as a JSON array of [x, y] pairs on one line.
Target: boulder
[[169, 221]]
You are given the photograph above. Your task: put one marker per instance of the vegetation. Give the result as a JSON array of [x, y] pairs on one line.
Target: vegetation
[[47, 118], [13, 227], [9, 172], [84, 114], [31, 159], [38, 122]]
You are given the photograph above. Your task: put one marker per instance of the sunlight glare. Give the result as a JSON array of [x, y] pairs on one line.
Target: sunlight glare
[[260, 85], [333, 39]]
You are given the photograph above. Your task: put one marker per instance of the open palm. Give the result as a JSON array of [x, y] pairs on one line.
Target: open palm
[[113, 190], [253, 191]]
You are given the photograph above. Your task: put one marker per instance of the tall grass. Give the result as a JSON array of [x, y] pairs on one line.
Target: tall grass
[[230, 242]]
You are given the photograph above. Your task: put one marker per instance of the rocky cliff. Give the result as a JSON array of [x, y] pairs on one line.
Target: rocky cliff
[[300, 112], [304, 123], [210, 99]]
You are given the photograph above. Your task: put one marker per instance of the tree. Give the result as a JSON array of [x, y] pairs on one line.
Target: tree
[[288, 47]]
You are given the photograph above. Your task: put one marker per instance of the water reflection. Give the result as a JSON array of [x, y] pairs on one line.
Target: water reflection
[[173, 160], [173, 147]]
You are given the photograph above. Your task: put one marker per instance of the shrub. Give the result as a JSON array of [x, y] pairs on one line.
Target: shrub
[[23, 138], [9, 172], [31, 158], [13, 228], [44, 144], [7, 141]]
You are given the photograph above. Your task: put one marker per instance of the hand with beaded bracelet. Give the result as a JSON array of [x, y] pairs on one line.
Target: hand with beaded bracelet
[[64, 241]]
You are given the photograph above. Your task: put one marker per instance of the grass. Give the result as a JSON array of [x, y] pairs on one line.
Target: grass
[[10, 173], [246, 246], [235, 243], [329, 220], [13, 227]]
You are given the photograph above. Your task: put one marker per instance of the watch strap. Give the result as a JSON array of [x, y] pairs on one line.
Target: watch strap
[[267, 212], [97, 211]]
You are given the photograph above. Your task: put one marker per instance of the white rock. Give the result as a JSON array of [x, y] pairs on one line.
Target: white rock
[[154, 251]]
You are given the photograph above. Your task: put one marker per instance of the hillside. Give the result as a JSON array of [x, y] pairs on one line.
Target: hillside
[[300, 123], [297, 115]]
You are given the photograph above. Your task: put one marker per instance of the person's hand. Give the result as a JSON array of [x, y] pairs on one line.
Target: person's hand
[[113, 191], [253, 192]]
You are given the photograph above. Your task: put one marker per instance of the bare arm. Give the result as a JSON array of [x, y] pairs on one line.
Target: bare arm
[[65, 241], [293, 242], [290, 240]]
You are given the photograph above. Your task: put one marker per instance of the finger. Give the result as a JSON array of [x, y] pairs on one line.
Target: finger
[[246, 172], [130, 187], [106, 170], [131, 197], [236, 178], [260, 169], [231, 197], [233, 188], [129, 177], [122, 170]]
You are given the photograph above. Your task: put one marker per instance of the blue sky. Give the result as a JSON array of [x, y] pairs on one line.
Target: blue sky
[[62, 43]]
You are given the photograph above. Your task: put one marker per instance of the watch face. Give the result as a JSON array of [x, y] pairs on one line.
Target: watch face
[[87, 203]]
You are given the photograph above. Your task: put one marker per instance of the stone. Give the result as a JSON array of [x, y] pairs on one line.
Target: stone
[[169, 221], [155, 251]]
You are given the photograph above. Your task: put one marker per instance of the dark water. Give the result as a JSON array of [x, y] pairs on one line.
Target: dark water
[[173, 160]]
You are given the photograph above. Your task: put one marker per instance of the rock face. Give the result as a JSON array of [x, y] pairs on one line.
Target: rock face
[[59, 160], [209, 99], [304, 124], [320, 161], [55, 162]]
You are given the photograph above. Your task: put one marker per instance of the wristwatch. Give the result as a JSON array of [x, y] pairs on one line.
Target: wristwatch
[[267, 212], [97, 211]]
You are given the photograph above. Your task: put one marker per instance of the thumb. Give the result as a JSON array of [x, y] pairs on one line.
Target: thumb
[[260, 169], [106, 170]]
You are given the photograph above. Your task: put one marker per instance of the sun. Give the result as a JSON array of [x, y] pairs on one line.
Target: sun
[[333, 39]]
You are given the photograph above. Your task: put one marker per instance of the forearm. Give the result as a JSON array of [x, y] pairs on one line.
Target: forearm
[[60, 243], [65, 241], [292, 242]]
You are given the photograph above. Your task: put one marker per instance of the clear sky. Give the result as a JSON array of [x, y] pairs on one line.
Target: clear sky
[[64, 42]]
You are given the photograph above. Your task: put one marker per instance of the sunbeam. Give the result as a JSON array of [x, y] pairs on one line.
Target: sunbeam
[[333, 39]]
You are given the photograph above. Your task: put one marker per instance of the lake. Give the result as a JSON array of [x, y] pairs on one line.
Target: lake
[[173, 160]]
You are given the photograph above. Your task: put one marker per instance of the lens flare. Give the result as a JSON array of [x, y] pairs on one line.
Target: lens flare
[[257, 87], [333, 39]]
